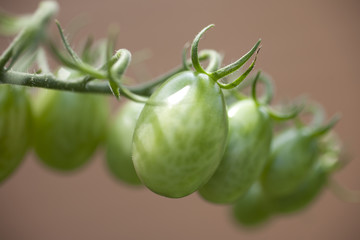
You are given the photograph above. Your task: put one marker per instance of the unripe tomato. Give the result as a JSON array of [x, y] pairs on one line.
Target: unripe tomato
[[248, 146], [303, 195], [15, 128], [180, 136], [252, 208], [119, 143], [69, 127], [292, 156], [314, 181]]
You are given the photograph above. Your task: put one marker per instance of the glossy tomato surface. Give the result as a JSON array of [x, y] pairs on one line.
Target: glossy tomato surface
[[248, 146], [180, 135], [119, 143], [69, 128]]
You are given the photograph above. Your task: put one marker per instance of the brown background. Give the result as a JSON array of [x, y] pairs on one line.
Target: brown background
[[309, 47]]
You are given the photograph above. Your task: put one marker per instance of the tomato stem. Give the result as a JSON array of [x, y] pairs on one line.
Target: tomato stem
[[28, 38], [48, 80]]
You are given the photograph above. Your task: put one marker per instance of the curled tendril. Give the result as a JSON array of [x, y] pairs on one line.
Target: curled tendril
[[194, 50]]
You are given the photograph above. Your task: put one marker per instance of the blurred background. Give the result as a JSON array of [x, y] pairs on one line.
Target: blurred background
[[309, 47]]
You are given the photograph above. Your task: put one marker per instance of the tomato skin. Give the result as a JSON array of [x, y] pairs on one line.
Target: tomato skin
[[119, 143], [252, 209], [69, 127], [303, 195], [247, 150], [293, 155], [178, 143], [16, 121]]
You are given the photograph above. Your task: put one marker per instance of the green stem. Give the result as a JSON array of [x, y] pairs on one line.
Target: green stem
[[29, 35], [51, 82], [6, 55], [87, 84]]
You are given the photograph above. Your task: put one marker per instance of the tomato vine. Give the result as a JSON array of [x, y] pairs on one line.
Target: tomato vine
[[191, 130]]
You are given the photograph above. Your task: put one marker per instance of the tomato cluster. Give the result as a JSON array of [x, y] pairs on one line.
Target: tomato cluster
[[187, 140], [190, 135]]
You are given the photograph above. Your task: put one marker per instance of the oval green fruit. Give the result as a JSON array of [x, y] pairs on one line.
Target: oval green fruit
[[253, 208], [180, 136], [119, 143], [15, 128], [247, 150], [303, 195], [315, 180], [69, 127], [292, 156]]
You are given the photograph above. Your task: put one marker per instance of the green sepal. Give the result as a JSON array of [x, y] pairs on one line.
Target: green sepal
[[222, 72]]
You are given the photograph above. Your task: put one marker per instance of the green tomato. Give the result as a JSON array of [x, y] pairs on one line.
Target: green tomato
[[119, 143], [69, 127], [248, 147], [180, 136], [15, 128], [253, 208], [293, 154], [315, 180], [303, 195]]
